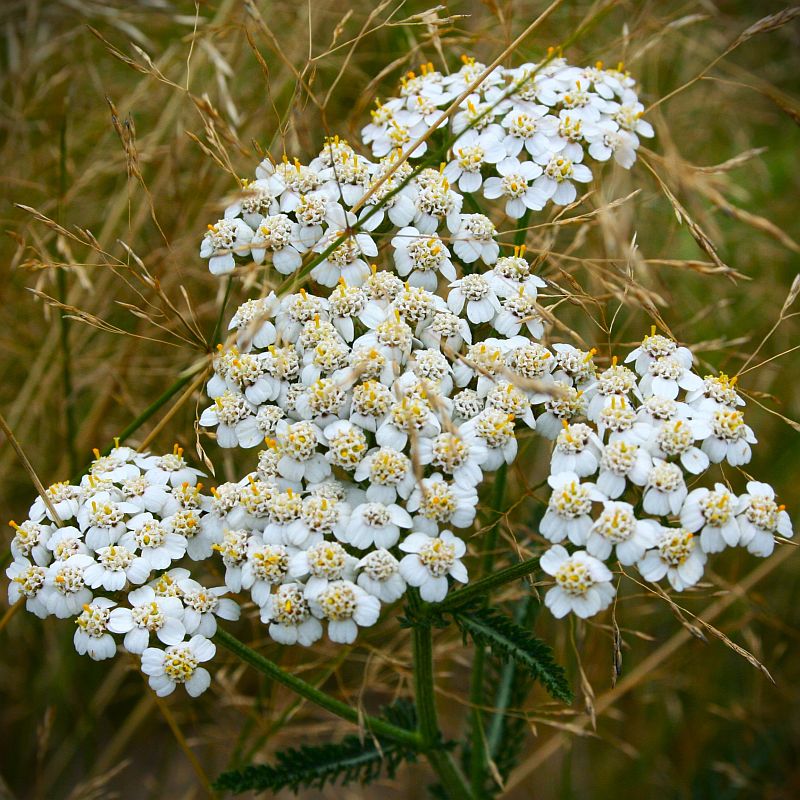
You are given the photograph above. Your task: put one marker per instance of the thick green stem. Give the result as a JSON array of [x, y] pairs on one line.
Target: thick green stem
[[452, 780], [377, 726]]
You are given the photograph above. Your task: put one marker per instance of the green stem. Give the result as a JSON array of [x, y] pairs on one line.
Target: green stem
[[452, 780], [480, 588], [377, 726], [476, 692]]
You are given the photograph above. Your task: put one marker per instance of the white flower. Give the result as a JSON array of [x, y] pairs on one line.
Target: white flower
[[494, 429], [518, 310], [605, 140], [557, 181], [421, 257], [148, 496], [577, 450], [474, 239], [470, 153], [91, 635], [583, 584], [531, 129], [374, 525], [280, 237], [675, 438], [347, 607], [569, 509], [31, 540], [297, 443], [435, 202], [430, 560], [255, 202], [713, 513], [148, 614], [27, 580], [102, 520], [289, 616], [156, 542], [678, 555], [379, 575], [202, 606], [656, 346], [458, 453], [323, 563], [667, 375], [389, 472], [717, 393], [517, 184], [222, 241], [565, 403], [437, 502], [512, 274], [64, 498], [411, 417], [115, 566], [618, 527], [629, 117], [234, 418], [170, 468], [346, 260], [179, 663], [665, 489], [760, 518], [65, 589], [619, 460], [730, 438]]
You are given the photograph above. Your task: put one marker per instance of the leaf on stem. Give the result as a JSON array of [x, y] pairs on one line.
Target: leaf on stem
[[347, 761], [508, 640]]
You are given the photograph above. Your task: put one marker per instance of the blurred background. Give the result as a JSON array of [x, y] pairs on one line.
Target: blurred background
[[129, 120]]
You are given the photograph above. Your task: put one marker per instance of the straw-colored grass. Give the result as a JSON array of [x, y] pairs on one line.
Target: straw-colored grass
[[123, 124]]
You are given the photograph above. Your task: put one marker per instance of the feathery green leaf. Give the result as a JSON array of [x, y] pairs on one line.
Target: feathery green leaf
[[506, 639]]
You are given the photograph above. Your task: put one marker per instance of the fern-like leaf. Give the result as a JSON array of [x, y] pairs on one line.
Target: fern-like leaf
[[508, 640], [347, 761]]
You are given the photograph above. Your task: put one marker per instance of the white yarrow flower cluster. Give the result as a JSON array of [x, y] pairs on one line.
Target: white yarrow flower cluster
[[111, 564], [382, 397], [620, 477]]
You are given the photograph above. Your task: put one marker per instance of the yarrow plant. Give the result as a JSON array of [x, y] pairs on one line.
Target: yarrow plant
[[379, 386]]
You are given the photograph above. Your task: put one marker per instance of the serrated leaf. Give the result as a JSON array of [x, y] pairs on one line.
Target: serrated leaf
[[346, 761], [507, 640]]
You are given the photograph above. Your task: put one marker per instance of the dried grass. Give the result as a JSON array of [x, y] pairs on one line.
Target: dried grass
[[161, 104]]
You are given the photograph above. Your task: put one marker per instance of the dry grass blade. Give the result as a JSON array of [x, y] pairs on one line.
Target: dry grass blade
[[646, 668], [766, 24], [698, 234], [28, 467]]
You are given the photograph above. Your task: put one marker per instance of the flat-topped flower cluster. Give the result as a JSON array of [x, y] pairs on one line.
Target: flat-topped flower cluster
[[380, 400], [103, 552], [627, 474]]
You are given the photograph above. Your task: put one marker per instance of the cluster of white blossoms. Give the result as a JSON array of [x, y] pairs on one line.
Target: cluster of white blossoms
[[626, 476], [521, 137], [528, 128], [104, 552], [381, 399]]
